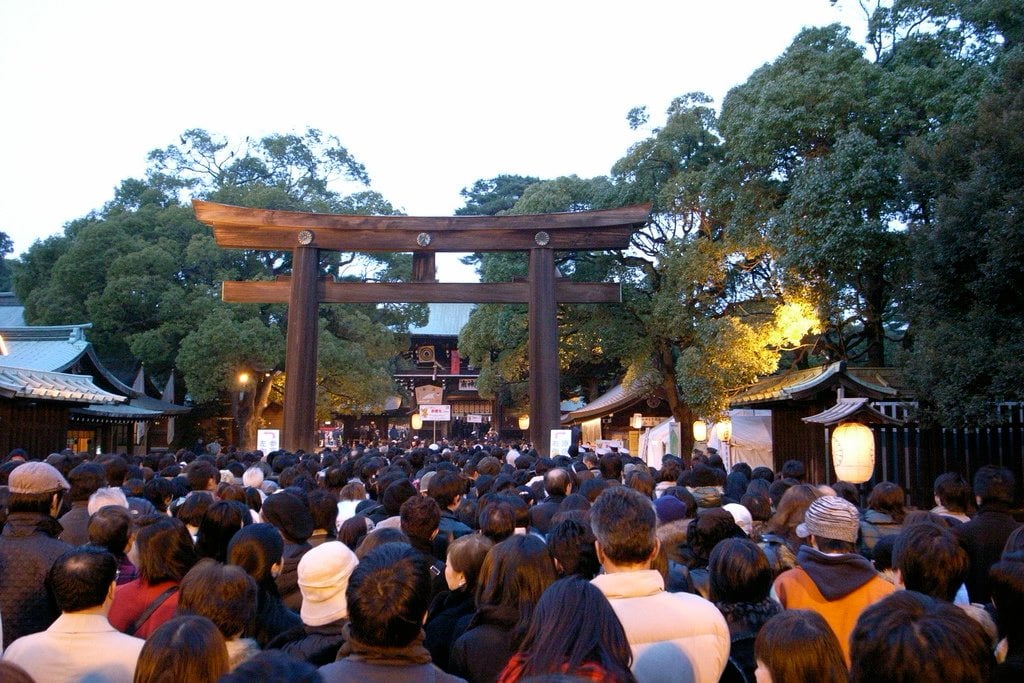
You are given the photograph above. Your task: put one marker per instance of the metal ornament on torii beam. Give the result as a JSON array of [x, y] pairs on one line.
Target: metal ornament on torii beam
[[306, 234]]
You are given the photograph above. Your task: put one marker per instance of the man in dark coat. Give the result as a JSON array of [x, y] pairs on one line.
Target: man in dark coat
[[28, 549], [85, 480], [984, 536], [557, 485]]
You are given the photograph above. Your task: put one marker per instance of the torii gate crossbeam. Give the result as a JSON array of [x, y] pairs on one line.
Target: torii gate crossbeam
[[305, 234]]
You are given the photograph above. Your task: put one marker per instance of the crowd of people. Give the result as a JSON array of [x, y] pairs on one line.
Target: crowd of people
[[485, 562]]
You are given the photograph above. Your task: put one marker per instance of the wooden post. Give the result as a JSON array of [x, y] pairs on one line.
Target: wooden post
[[301, 352], [543, 350]]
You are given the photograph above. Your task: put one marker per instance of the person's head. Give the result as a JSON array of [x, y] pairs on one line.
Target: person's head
[[796, 646], [82, 578], [354, 529], [847, 491], [223, 593], [791, 508], [289, 515], [794, 469], [571, 546], [110, 528], [221, 522], [739, 571], [831, 524], [388, 595], [465, 558], [512, 578], [953, 492], [624, 522], [592, 488], [185, 648], [159, 492], [447, 488], [106, 495], [323, 507], [379, 537], [708, 529], [36, 487], [930, 561], [611, 467], [641, 481], [759, 506], [192, 509], [253, 477], [258, 549], [165, 551], [994, 485], [202, 476], [575, 606], [420, 517], [557, 482], [887, 498], [1006, 579], [908, 636], [323, 576], [497, 520], [85, 479]]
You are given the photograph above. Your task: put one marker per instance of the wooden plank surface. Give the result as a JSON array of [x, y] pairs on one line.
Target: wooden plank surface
[[243, 228], [277, 291]]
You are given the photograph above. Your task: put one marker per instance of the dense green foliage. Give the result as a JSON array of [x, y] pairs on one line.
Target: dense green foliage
[[147, 274]]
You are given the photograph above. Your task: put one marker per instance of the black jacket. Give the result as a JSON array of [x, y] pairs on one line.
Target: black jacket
[[28, 548], [445, 612], [317, 645], [983, 539]]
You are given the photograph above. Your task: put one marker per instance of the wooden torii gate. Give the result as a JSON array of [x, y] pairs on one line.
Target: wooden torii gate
[[306, 234]]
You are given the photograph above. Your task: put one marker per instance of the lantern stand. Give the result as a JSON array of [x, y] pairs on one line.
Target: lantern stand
[[851, 443]]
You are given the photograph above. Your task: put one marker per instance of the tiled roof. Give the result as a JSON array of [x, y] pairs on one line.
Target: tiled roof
[[875, 382], [444, 320], [848, 409], [12, 313], [52, 349], [53, 386], [615, 398]]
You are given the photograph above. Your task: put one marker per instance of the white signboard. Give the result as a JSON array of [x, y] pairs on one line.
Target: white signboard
[[268, 440], [475, 419], [436, 413], [561, 439]]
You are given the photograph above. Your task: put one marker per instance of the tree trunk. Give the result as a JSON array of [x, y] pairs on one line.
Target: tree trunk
[[874, 306], [680, 410]]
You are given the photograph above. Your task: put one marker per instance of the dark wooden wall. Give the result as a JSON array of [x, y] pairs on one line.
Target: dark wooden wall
[[907, 455], [39, 427]]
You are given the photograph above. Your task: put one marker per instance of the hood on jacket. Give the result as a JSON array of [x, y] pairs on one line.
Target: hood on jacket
[[835, 575]]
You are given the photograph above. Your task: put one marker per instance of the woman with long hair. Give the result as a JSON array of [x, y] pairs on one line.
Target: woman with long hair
[[462, 570], [597, 650], [258, 549], [514, 575], [779, 540], [186, 648], [163, 554], [220, 523], [796, 646]]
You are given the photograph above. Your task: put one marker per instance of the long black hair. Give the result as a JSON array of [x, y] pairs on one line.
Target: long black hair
[[575, 606]]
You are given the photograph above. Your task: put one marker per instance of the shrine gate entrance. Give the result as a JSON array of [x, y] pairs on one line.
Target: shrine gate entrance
[[306, 234]]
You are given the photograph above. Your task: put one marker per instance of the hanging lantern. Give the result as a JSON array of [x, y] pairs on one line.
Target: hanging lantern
[[724, 430], [524, 422], [417, 421], [853, 452], [700, 430], [636, 421]]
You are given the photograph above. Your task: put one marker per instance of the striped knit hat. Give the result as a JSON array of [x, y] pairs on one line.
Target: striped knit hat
[[831, 517]]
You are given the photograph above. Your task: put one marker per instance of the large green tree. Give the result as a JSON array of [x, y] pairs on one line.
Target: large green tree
[[147, 275]]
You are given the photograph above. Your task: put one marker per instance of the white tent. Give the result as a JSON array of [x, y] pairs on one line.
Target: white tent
[[751, 440]]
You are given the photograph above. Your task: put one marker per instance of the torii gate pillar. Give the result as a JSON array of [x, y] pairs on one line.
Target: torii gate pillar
[[301, 351], [544, 367]]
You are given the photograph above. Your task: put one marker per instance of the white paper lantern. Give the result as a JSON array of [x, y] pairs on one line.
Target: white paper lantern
[[724, 430], [700, 430], [524, 422], [416, 420], [853, 452]]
